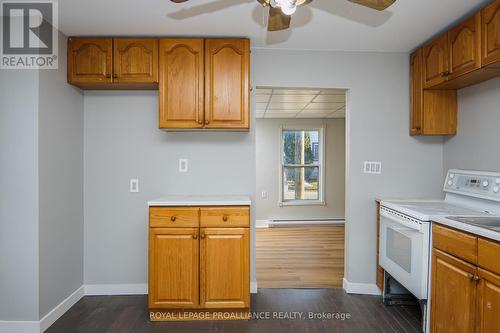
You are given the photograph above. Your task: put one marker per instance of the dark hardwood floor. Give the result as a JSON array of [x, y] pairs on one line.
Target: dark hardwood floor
[[95, 314]]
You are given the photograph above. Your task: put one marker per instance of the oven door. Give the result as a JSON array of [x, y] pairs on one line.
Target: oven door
[[404, 250]]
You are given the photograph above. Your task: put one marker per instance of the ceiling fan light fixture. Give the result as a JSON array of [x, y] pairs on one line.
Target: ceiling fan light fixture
[[288, 9]]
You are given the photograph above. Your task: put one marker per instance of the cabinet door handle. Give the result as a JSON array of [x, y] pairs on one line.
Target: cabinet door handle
[[202, 236], [200, 122], [445, 73], [477, 278], [115, 76], [206, 122], [225, 218], [195, 236], [173, 218], [108, 76], [471, 276]]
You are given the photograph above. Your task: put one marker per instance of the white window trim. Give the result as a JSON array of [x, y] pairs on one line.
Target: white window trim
[[322, 176]]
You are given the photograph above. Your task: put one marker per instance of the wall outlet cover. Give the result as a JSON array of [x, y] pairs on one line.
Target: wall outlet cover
[[183, 165], [371, 167]]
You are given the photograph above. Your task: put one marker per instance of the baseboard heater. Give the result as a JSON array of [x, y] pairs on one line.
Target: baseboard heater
[[279, 222]]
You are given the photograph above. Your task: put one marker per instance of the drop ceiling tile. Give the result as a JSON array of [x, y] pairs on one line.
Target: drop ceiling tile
[[279, 115], [325, 106], [333, 91], [262, 98], [291, 98], [286, 106], [260, 106], [263, 91], [295, 92], [329, 99]]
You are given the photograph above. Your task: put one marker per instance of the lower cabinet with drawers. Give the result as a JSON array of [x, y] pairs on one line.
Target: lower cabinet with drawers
[[465, 282], [199, 259]]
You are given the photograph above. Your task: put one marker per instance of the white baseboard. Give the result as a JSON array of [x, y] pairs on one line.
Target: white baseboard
[[253, 287], [360, 288], [262, 223], [61, 309], [116, 289], [44, 323], [19, 326]]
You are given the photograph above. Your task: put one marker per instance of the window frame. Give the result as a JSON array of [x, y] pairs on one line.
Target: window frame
[[321, 165]]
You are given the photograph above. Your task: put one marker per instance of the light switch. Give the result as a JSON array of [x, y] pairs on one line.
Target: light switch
[[264, 194], [183, 165], [134, 185]]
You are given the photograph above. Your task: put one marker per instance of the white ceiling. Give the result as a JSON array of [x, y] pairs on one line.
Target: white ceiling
[[323, 25], [299, 103]]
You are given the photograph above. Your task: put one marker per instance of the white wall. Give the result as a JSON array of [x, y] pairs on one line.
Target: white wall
[[18, 195], [476, 146], [268, 169], [377, 129], [60, 185], [122, 141]]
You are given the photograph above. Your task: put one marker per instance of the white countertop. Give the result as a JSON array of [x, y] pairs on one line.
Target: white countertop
[[199, 200], [469, 228]]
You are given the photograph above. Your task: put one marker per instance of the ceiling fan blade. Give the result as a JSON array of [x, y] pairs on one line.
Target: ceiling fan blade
[[375, 4], [178, 1], [278, 20], [303, 3]]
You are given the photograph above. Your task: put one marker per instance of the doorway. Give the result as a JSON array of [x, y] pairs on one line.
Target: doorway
[[300, 204]]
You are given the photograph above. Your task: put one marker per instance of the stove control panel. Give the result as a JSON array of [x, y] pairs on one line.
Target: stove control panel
[[474, 183]]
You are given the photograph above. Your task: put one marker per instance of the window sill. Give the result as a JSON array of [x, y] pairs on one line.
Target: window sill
[[303, 203]]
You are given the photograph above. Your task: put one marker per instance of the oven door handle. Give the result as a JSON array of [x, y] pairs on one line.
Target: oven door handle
[[401, 221]]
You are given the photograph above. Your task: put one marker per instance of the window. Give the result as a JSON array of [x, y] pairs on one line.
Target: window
[[301, 175]]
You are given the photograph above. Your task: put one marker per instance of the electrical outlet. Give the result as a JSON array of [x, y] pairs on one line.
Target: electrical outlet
[[374, 168], [183, 165], [134, 185], [264, 195]]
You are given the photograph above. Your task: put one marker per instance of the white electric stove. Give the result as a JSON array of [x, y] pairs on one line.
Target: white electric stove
[[405, 226]]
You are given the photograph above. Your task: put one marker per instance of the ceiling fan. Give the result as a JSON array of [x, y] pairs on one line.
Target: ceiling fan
[[280, 11]]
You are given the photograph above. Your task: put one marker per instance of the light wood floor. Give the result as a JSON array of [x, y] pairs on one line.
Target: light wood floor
[[305, 257]]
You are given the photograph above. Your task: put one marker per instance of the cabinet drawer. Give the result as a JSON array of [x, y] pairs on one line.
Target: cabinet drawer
[[225, 217], [173, 217], [487, 255], [454, 242]]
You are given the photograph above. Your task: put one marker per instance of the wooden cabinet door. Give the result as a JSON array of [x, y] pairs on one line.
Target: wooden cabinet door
[[465, 46], [416, 93], [90, 60], [181, 83], [436, 62], [227, 83], [488, 302], [135, 60], [453, 302], [173, 268], [225, 268], [491, 33]]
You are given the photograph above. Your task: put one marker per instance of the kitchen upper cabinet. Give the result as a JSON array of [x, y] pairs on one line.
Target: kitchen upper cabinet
[[436, 62], [453, 307], [107, 63], [489, 302], [90, 60], [173, 268], [491, 34], [181, 83], [225, 268], [135, 60], [465, 46], [227, 83], [432, 112]]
